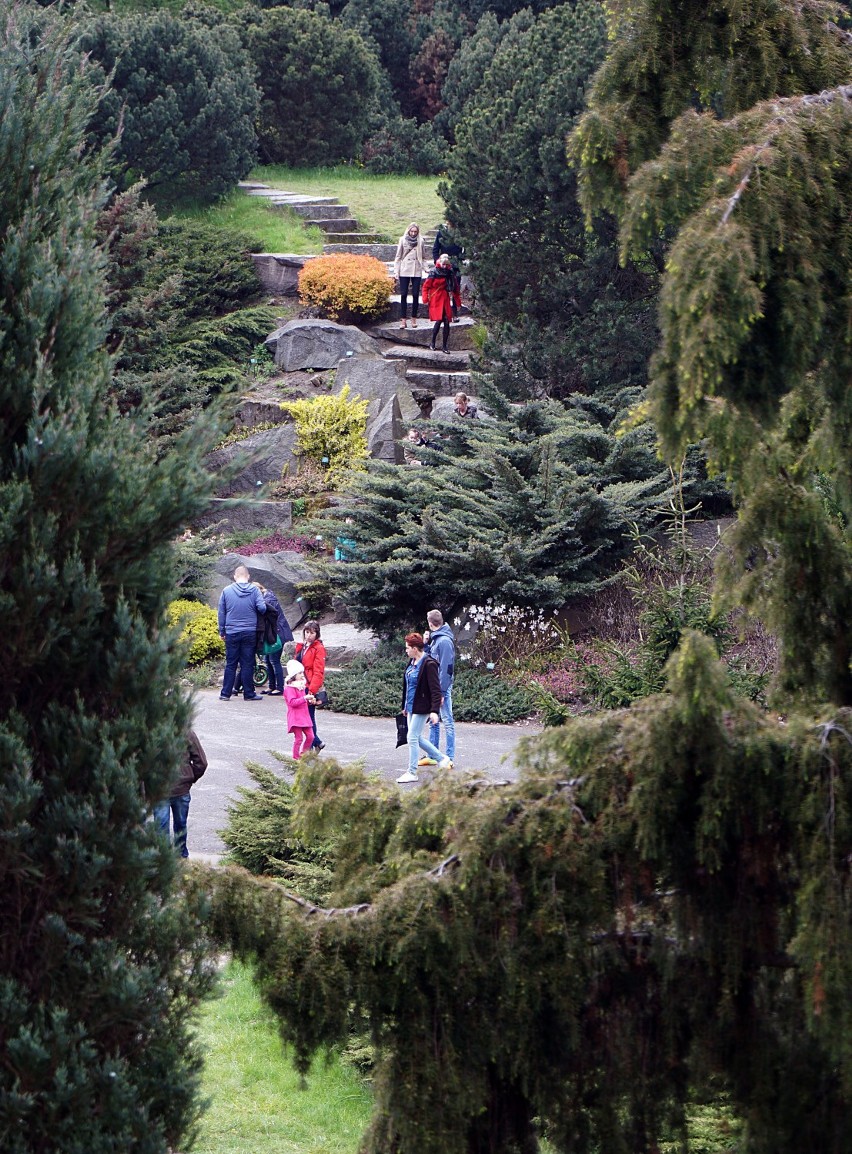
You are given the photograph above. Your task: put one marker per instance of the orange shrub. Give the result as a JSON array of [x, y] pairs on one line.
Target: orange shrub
[[346, 287]]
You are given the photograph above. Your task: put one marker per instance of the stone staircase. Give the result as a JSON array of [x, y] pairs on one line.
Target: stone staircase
[[436, 373]]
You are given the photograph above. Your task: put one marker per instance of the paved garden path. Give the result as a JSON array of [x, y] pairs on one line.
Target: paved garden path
[[236, 731]]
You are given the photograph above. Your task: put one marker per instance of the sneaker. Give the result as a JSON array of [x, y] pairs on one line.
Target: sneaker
[[405, 778], [428, 760], [224, 697], [445, 764], [254, 697]]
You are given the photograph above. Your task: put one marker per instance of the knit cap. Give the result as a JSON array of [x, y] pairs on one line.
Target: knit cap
[[294, 668]]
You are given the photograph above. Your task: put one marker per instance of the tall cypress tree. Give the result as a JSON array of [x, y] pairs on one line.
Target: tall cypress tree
[[99, 966]]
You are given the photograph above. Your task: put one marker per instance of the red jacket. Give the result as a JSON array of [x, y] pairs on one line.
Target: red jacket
[[440, 291], [313, 658]]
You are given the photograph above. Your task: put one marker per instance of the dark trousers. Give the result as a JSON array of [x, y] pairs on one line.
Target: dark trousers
[[404, 283], [312, 710], [239, 650], [445, 322]]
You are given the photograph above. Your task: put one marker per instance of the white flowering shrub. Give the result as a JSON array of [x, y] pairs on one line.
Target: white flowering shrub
[[509, 638]]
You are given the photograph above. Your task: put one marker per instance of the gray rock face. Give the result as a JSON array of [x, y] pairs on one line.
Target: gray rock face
[[266, 454], [282, 572], [383, 384], [316, 344], [278, 272], [237, 517]]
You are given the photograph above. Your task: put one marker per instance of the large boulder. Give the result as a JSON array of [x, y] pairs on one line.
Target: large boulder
[[242, 515], [383, 384], [278, 272], [282, 572], [316, 344], [258, 459]]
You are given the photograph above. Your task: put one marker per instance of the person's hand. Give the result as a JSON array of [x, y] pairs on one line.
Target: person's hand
[[433, 717], [310, 697]]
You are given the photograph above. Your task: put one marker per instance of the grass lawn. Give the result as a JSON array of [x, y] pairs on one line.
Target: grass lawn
[[256, 1106], [273, 229], [382, 204]]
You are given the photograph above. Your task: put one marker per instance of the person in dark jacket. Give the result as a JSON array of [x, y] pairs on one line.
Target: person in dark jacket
[[441, 645], [239, 606], [441, 294], [421, 702], [176, 805], [275, 613]]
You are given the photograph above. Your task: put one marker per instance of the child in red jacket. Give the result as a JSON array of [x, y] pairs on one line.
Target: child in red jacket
[[298, 717]]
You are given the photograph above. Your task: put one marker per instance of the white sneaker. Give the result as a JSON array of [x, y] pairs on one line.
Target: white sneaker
[[405, 778], [445, 764]]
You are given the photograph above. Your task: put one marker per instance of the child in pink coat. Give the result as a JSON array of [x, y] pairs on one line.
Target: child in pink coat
[[298, 717]]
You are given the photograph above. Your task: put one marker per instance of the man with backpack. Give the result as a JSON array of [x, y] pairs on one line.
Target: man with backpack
[[442, 647]]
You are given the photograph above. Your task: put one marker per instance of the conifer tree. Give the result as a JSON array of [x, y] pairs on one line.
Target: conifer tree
[[661, 905], [739, 137], [100, 965], [530, 509]]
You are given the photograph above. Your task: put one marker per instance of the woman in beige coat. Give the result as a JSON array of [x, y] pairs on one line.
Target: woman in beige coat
[[408, 272]]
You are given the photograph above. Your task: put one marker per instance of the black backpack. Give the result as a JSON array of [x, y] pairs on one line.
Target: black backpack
[[270, 626]]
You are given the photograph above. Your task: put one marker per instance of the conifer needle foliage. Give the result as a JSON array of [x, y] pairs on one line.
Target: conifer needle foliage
[[739, 137], [100, 963], [587, 946], [663, 902]]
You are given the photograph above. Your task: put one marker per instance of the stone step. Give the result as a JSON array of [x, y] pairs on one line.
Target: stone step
[[333, 224], [419, 358], [461, 332], [442, 384], [318, 212], [351, 239], [423, 317], [291, 200], [384, 252]]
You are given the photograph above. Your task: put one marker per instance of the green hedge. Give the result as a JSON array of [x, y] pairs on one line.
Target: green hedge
[[372, 687]]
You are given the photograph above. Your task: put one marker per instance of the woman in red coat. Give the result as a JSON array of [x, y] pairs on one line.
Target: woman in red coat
[[440, 293], [311, 653]]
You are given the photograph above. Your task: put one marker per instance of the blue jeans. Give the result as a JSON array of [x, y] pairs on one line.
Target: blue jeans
[[416, 722], [239, 650], [449, 726], [273, 668], [312, 710], [178, 807]]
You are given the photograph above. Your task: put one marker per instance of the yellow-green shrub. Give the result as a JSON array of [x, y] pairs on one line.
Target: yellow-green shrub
[[346, 287], [199, 626], [332, 431]]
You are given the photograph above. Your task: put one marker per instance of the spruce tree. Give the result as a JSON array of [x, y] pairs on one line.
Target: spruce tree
[[530, 509], [100, 964]]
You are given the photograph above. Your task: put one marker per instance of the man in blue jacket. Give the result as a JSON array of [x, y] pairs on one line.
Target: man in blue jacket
[[239, 605], [443, 648]]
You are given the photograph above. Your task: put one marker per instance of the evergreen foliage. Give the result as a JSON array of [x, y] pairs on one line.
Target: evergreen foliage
[[568, 319], [332, 432], [755, 351], [317, 79], [182, 101], [586, 948], [100, 964], [372, 687], [346, 286], [530, 509], [260, 837]]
